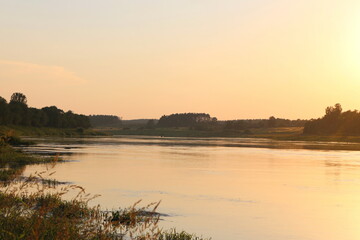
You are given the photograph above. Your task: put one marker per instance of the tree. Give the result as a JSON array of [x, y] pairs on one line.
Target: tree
[[333, 112], [54, 116], [272, 122], [18, 113], [184, 119], [4, 111], [105, 121], [335, 122], [150, 124], [18, 98]]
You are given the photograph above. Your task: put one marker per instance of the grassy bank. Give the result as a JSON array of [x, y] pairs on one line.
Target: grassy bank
[[186, 132], [282, 133], [31, 208], [13, 162], [295, 134], [45, 131]]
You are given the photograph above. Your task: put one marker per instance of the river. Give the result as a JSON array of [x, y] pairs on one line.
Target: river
[[227, 189]]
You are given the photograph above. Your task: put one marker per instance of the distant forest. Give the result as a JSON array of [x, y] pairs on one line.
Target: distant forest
[[203, 121], [335, 122], [105, 121], [17, 112], [262, 123], [185, 120]]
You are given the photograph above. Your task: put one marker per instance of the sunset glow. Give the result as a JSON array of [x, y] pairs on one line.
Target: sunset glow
[[135, 59], [180, 119]]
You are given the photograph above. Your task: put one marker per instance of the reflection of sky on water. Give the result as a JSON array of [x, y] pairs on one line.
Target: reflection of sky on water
[[73, 143], [222, 188]]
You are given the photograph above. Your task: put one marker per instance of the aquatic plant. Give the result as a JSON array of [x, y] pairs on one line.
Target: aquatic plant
[[172, 234]]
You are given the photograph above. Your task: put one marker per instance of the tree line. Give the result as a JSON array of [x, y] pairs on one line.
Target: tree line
[[105, 121], [262, 123], [203, 121], [335, 122], [185, 120], [17, 112]]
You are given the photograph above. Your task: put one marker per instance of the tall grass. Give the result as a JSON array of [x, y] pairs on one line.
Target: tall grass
[[47, 131], [33, 210], [12, 161]]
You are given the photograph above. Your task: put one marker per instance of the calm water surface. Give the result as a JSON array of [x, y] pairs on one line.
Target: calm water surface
[[227, 189]]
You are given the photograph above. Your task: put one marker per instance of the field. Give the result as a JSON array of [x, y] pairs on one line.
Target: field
[[45, 131], [281, 133]]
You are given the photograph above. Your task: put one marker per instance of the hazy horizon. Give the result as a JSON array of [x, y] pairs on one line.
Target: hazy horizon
[[139, 59]]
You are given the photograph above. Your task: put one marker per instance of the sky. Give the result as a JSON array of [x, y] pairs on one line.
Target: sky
[[233, 59]]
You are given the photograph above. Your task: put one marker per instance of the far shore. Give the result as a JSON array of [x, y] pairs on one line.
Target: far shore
[[281, 133]]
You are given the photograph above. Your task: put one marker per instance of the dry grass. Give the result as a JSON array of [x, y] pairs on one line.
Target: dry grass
[[33, 210]]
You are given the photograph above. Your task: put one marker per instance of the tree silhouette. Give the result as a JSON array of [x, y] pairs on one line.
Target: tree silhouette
[[335, 122], [18, 113], [4, 111], [272, 122], [184, 119], [18, 98]]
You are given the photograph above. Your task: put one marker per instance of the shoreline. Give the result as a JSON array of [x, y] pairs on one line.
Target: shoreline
[[281, 133]]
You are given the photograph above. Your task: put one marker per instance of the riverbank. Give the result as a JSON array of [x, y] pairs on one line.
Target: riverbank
[[13, 162], [187, 132], [45, 131], [282, 133]]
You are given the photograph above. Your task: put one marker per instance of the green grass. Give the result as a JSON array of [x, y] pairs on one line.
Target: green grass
[[12, 162], [174, 235], [173, 132], [281, 133], [41, 216], [165, 132], [44, 131], [186, 132], [47, 216]]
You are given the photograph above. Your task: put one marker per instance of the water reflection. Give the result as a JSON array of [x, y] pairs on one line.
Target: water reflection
[[206, 142], [223, 188]]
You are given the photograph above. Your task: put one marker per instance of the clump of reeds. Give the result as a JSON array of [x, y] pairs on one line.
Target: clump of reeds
[[12, 139], [13, 162], [32, 210], [172, 234]]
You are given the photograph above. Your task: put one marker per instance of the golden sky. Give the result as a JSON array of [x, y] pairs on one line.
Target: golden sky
[[141, 59]]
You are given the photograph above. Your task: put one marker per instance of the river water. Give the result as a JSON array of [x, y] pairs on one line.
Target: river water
[[227, 189]]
